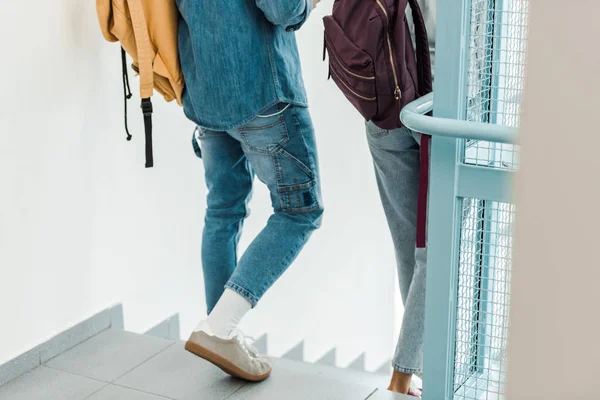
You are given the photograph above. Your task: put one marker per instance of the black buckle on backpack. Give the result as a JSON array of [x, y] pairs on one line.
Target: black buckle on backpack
[[147, 110], [147, 107]]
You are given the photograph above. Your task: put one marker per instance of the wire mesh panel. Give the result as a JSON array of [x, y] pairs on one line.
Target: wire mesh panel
[[497, 52], [497, 49], [483, 299], [470, 216]]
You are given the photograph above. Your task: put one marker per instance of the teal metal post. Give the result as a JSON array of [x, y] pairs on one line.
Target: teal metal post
[[444, 206]]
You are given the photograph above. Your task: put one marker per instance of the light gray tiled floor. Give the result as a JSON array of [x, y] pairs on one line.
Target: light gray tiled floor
[[177, 374], [117, 365], [294, 384], [382, 394], [49, 384], [112, 392], [338, 374], [109, 355]]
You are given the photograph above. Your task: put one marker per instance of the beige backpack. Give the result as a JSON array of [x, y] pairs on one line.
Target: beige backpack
[[147, 31]]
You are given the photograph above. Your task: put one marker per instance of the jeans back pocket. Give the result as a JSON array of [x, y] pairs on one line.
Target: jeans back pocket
[[266, 134]]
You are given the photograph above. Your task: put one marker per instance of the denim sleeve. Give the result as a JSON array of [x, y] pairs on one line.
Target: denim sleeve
[[290, 14]]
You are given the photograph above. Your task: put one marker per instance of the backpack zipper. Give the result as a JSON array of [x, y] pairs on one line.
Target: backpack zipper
[[397, 91], [350, 89], [370, 78]]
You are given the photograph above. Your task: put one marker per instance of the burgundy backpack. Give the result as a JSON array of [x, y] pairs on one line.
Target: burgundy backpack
[[373, 62], [372, 59]]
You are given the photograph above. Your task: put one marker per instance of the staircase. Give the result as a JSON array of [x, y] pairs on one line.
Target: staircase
[[119, 365]]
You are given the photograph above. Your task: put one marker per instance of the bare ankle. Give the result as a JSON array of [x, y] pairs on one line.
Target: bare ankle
[[400, 382], [397, 390]]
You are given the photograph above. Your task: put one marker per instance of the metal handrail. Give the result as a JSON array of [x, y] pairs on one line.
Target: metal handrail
[[413, 117]]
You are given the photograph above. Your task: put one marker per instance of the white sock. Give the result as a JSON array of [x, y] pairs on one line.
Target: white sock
[[228, 313]]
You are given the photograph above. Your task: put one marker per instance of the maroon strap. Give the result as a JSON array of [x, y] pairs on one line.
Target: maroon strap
[[425, 81], [423, 193]]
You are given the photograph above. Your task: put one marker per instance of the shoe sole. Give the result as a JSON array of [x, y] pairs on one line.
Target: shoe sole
[[225, 365]]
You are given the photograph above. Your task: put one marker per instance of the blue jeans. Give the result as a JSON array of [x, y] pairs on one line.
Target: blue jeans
[[279, 147], [396, 159]]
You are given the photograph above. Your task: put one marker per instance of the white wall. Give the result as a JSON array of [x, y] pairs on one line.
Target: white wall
[[554, 348], [53, 81], [83, 225]]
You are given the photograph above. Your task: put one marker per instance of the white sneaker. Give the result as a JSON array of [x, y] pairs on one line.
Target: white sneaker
[[234, 355]]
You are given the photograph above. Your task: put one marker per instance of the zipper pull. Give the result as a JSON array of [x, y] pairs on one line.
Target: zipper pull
[[397, 93], [398, 96]]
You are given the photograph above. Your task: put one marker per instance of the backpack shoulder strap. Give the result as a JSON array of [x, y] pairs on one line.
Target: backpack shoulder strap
[[144, 48], [145, 61], [423, 56], [425, 86]]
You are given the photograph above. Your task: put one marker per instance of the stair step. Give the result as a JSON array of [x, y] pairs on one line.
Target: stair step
[[296, 353], [339, 374], [109, 354], [329, 358], [261, 344], [132, 366], [382, 394], [359, 363], [293, 380], [385, 368], [167, 329]]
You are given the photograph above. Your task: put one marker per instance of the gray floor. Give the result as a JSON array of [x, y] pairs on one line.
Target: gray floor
[[117, 365]]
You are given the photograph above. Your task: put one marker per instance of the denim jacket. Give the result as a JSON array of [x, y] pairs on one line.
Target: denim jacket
[[239, 58]]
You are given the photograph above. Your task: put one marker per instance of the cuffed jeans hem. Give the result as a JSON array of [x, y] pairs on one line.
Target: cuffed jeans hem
[[253, 300], [411, 371]]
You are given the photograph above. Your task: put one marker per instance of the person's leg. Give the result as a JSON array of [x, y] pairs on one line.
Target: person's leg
[[396, 161], [408, 357], [229, 180], [282, 151]]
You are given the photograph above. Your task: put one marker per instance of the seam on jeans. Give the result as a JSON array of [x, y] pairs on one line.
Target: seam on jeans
[[302, 210], [287, 191], [309, 155], [288, 105], [296, 186], [280, 122], [378, 133], [411, 371], [278, 180], [204, 134], [287, 261], [297, 161], [243, 292], [240, 224]]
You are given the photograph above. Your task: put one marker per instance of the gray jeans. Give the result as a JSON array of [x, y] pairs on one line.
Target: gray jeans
[[396, 160]]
